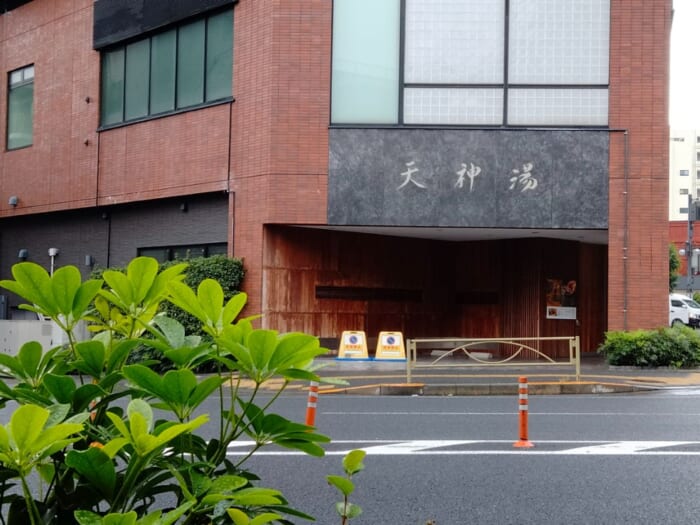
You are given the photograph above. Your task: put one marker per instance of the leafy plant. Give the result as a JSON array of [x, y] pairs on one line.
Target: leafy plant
[[677, 347], [674, 264], [85, 421], [352, 464]]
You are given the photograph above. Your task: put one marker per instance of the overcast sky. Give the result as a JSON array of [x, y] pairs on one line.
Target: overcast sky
[[685, 65]]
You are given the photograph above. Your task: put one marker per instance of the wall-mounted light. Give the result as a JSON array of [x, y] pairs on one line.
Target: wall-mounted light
[[53, 252], [183, 207], [13, 200], [23, 254], [89, 261]]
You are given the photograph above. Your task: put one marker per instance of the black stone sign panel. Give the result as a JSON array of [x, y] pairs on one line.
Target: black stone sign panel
[[469, 178]]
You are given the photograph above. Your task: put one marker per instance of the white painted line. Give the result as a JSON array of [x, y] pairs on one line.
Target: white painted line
[[531, 412], [502, 447]]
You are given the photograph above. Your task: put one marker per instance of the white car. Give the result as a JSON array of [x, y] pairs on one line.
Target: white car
[[683, 309]]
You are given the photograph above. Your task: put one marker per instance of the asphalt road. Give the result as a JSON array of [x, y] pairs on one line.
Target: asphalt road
[[609, 459]]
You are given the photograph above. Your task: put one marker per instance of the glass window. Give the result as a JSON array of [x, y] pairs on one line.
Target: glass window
[[365, 86], [555, 42], [684, 173], [684, 191], [683, 210], [20, 108], [163, 72], [697, 174], [160, 254], [453, 106], [112, 86], [170, 253], [169, 71], [441, 37], [549, 59], [136, 82], [219, 57], [551, 107], [190, 64]]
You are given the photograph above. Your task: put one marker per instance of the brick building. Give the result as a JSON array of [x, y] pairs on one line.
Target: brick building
[[472, 168]]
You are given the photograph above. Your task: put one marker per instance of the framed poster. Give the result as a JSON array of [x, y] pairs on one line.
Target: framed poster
[[561, 299]]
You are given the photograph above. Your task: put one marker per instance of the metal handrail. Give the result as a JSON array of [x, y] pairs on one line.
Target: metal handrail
[[463, 345]]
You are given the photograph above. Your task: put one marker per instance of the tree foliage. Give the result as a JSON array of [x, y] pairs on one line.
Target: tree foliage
[[86, 421]]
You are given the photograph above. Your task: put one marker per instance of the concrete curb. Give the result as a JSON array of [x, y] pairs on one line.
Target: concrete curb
[[494, 389]]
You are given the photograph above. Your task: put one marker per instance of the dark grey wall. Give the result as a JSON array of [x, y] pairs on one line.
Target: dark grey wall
[[411, 177], [9, 5], [111, 235], [117, 20]]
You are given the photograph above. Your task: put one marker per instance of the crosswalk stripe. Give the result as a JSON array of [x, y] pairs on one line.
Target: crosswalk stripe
[[488, 447]]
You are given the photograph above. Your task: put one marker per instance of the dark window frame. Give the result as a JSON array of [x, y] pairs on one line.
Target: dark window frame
[[171, 249], [176, 110]]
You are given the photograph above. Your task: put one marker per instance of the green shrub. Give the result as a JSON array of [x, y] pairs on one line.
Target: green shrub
[[677, 347], [228, 272]]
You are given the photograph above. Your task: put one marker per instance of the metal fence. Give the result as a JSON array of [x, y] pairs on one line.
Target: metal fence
[[510, 351]]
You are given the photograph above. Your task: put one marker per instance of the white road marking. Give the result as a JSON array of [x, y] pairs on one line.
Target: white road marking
[[496, 447], [515, 413]]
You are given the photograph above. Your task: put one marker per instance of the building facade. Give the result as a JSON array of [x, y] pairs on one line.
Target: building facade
[[684, 192], [470, 168]]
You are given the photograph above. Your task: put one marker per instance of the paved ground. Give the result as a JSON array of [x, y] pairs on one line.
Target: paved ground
[[390, 378]]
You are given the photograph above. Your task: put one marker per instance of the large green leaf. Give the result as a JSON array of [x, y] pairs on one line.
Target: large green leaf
[[145, 378], [178, 385], [122, 294], [344, 485], [352, 462], [295, 350], [32, 283], [92, 358], [262, 344], [65, 283], [211, 298], [26, 425], [204, 389], [233, 307], [29, 357], [162, 281], [183, 297], [12, 366], [60, 387], [84, 297], [141, 272], [96, 466]]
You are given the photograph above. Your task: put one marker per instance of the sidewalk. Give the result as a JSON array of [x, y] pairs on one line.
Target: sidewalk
[[597, 377]]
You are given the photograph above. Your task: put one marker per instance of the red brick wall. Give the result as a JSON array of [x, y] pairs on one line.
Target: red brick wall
[[678, 235], [639, 58], [280, 121], [59, 170], [177, 155]]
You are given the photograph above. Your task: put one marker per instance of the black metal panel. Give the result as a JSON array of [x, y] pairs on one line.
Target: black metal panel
[[118, 20], [469, 178], [9, 5]]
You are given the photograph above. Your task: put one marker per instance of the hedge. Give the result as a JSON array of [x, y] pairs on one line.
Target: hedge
[[677, 347]]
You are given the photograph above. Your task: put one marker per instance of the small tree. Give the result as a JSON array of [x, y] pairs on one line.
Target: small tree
[[674, 264], [85, 426]]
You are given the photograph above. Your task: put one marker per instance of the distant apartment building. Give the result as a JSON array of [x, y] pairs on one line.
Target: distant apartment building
[[684, 188], [471, 168]]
